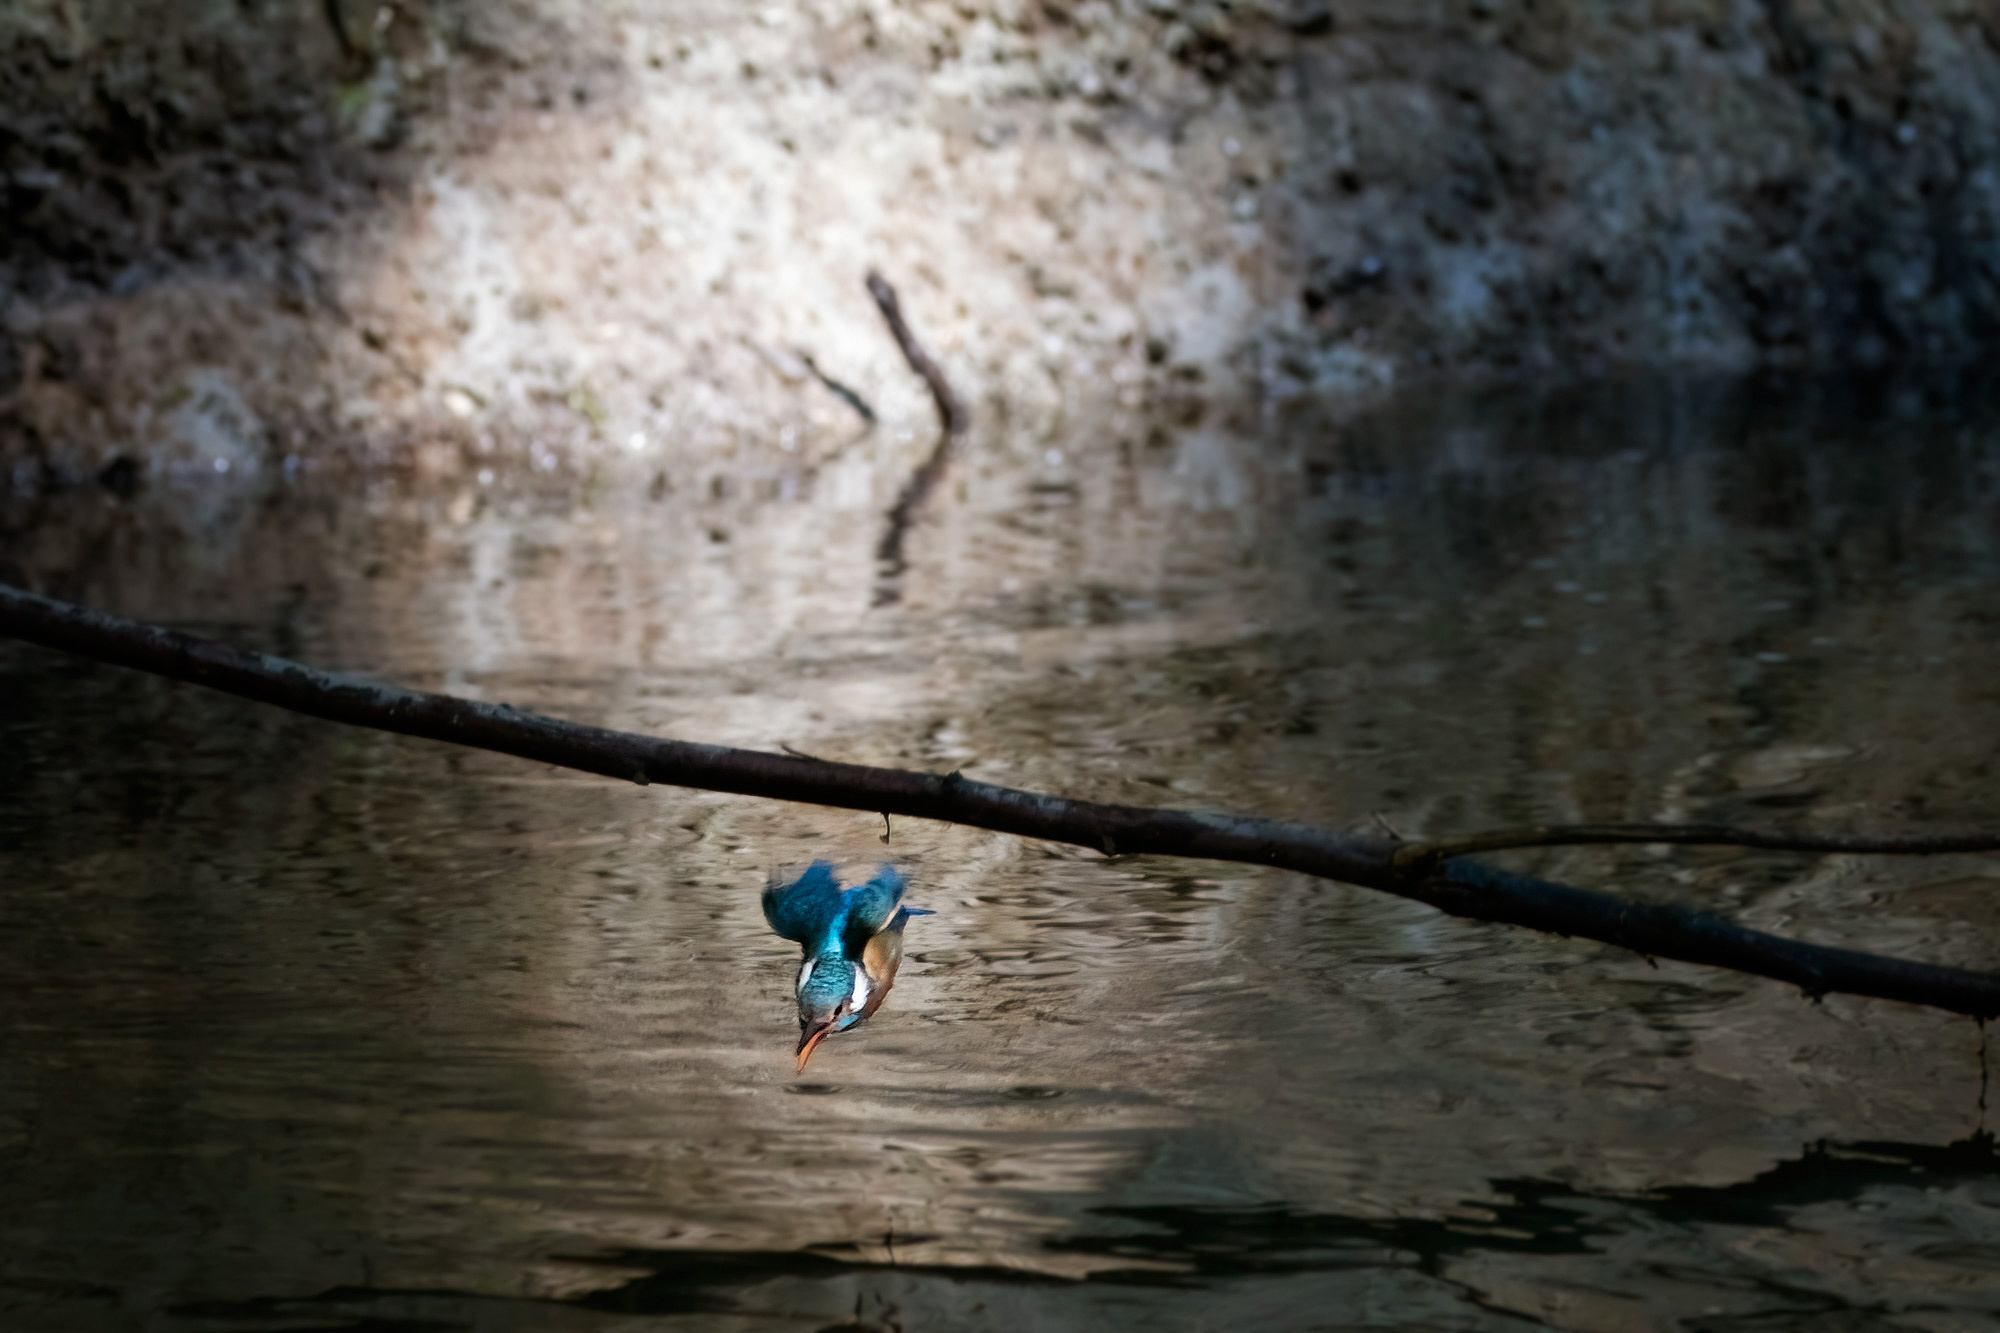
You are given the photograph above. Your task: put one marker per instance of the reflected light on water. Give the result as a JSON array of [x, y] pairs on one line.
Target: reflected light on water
[[308, 1027]]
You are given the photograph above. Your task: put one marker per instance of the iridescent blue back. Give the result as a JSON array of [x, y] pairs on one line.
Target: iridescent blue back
[[817, 912]]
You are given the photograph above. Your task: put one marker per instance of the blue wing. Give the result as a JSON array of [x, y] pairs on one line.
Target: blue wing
[[870, 905], [821, 915], [807, 910]]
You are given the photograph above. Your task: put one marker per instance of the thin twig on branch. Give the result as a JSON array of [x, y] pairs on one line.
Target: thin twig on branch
[[951, 425], [1414, 854], [1455, 885]]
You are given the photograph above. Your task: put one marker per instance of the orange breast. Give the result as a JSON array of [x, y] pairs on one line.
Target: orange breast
[[879, 959]]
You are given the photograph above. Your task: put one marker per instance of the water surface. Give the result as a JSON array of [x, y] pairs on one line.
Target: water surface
[[313, 1028]]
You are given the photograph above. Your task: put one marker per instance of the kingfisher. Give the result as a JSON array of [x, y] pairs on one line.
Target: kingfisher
[[853, 942]]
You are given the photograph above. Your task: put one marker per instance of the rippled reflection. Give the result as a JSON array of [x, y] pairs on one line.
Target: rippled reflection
[[301, 1020]]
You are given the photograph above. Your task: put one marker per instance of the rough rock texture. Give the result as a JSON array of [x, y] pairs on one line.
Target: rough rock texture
[[241, 231]]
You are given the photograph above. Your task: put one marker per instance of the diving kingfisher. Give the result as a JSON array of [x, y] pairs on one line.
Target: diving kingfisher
[[853, 942]]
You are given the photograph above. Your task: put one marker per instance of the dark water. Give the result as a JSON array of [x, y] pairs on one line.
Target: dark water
[[311, 1028]]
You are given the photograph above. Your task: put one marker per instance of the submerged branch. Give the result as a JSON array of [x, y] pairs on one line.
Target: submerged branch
[[1449, 883]]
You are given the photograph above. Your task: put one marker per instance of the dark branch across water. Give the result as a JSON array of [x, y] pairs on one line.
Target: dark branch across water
[[1435, 875]]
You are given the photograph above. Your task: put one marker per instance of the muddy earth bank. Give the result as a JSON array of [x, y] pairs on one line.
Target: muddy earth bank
[[272, 234]]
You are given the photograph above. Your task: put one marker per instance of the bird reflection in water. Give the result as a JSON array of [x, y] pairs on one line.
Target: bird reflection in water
[[852, 939]]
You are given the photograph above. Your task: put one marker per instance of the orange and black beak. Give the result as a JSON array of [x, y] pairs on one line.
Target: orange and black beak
[[810, 1038]]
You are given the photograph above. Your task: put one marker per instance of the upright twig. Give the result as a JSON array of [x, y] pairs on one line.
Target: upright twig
[[951, 424], [1455, 885], [951, 413]]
